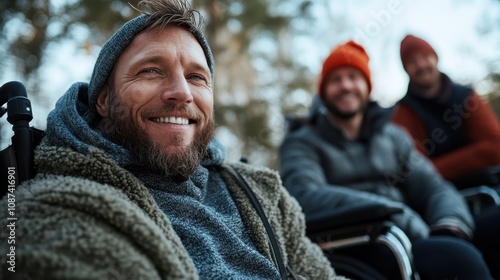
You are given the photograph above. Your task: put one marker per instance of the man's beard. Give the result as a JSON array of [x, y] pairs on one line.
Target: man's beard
[[427, 84], [335, 111], [178, 165]]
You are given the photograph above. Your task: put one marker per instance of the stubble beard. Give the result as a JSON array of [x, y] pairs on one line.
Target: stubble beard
[[336, 112], [432, 82], [177, 164]]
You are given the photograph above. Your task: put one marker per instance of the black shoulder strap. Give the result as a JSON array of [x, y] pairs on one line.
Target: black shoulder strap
[[278, 260]]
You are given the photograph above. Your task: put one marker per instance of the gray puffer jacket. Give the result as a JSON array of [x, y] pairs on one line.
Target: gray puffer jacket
[[324, 169]]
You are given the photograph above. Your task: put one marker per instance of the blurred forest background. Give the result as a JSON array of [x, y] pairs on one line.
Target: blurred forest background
[[268, 54]]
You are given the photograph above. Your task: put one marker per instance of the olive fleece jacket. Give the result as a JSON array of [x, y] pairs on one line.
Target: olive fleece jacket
[[85, 217]]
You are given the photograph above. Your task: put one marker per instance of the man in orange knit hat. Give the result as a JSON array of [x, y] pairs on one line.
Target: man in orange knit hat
[[449, 123], [349, 152]]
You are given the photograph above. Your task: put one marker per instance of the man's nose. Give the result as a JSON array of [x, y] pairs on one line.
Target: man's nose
[[420, 63], [346, 83], [177, 90]]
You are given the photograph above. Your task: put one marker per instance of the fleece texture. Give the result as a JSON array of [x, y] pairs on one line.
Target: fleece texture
[[221, 246], [91, 213], [84, 217]]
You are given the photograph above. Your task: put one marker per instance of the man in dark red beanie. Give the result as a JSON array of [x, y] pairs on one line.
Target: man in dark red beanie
[[449, 123], [453, 127], [349, 152]]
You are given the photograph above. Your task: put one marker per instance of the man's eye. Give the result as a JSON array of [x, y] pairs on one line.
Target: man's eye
[[335, 80], [196, 77], [148, 71], [355, 77]]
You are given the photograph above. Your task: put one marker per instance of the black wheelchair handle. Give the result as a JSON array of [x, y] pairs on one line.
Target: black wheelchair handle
[[19, 114], [11, 89], [19, 106]]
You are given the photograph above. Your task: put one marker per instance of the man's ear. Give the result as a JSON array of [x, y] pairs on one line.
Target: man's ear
[[102, 102]]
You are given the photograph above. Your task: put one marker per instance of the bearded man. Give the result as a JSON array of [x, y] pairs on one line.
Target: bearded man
[[449, 123], [131, 183]]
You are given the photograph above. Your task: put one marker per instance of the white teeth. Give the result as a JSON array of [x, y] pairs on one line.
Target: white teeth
[[348, 97], [174, 120]]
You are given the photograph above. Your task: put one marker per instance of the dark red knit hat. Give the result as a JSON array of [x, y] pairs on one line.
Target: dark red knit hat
[[347, 54], [410, 44]]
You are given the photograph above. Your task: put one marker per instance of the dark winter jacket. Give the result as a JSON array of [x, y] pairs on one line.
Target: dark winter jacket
[[457, 126], [324, 169]]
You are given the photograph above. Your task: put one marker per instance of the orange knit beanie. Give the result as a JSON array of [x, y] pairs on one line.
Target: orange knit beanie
[[347, 54], [411, 44]]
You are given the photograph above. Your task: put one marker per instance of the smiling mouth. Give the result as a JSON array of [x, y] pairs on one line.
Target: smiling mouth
[[347, 97], [174, 120]]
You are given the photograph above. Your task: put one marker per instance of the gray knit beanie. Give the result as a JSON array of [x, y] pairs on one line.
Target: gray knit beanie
[[115, 46]]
